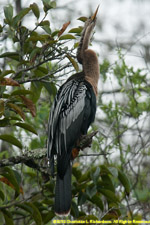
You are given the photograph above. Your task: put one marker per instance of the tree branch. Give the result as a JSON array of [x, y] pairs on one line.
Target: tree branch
[[44, 77], [119, 90], [29, 157]]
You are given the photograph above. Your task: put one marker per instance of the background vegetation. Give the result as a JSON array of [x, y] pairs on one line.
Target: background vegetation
[[110, 180]]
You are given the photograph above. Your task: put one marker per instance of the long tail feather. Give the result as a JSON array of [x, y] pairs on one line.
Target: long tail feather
[[63, 194]]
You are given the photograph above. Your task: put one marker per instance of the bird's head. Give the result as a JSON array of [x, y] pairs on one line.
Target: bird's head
[[91, 21], [86, 35]]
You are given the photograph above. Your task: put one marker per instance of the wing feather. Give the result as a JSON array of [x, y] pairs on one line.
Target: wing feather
[[68, 105]]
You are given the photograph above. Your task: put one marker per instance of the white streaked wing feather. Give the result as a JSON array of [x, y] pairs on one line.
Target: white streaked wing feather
[[68, 105]]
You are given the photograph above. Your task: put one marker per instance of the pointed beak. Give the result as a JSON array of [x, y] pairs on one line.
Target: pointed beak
[[94, 15]]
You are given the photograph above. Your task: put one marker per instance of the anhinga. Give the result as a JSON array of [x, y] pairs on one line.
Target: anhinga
[[71, 114]]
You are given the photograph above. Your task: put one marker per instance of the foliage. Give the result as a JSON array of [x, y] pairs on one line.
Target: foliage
[[111, 185]]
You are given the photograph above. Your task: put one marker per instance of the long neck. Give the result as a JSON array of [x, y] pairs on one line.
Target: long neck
[[91, 68], [84, 43], [88, 58]]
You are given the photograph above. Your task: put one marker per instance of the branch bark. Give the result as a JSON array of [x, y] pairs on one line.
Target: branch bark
[[29, 157]]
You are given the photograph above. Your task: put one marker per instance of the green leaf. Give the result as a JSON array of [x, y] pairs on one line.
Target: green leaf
[[44, 23], [55, 33], [8, 217], [17, 109], [107, 182], [74, 63], [84, 177], [2, 196], [113, 214], [19, 213], [124, 181], [2, 108], [35, 213], [11, 55], [43, 69], [5, 73], [42, 37], [33, 210], [8, 11], [104, 170], [17, 176], [89, 218], [34, 54], [113, 171], [95, 175], [20, 16], [4, 122], [82, 198], [10, 139], [48, 217], [14, 118], [74, 209], [35, 88], [66, 37], [47, 29], [10, 175], [21, 92], [97, 201], [53, 4], [91, 190], [142, 195], [48, 5], [25, 207], [83, 18], [35, 10], [1, 28], [76, 172], [51, 88], [76, 30], [26, 127], [104, 67], [108, 194]]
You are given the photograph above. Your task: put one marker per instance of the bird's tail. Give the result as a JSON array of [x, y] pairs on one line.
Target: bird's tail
[[63, 193]]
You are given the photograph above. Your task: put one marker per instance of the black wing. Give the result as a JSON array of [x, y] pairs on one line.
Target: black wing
[[71, 114]]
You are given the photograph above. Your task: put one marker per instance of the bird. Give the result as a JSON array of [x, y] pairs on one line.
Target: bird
[[72, 112]]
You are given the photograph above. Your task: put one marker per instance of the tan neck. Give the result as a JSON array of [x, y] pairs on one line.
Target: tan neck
[[84, 41], [91, 68]]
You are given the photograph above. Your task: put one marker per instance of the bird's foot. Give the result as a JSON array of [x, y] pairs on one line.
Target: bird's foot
[[85, 141]]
